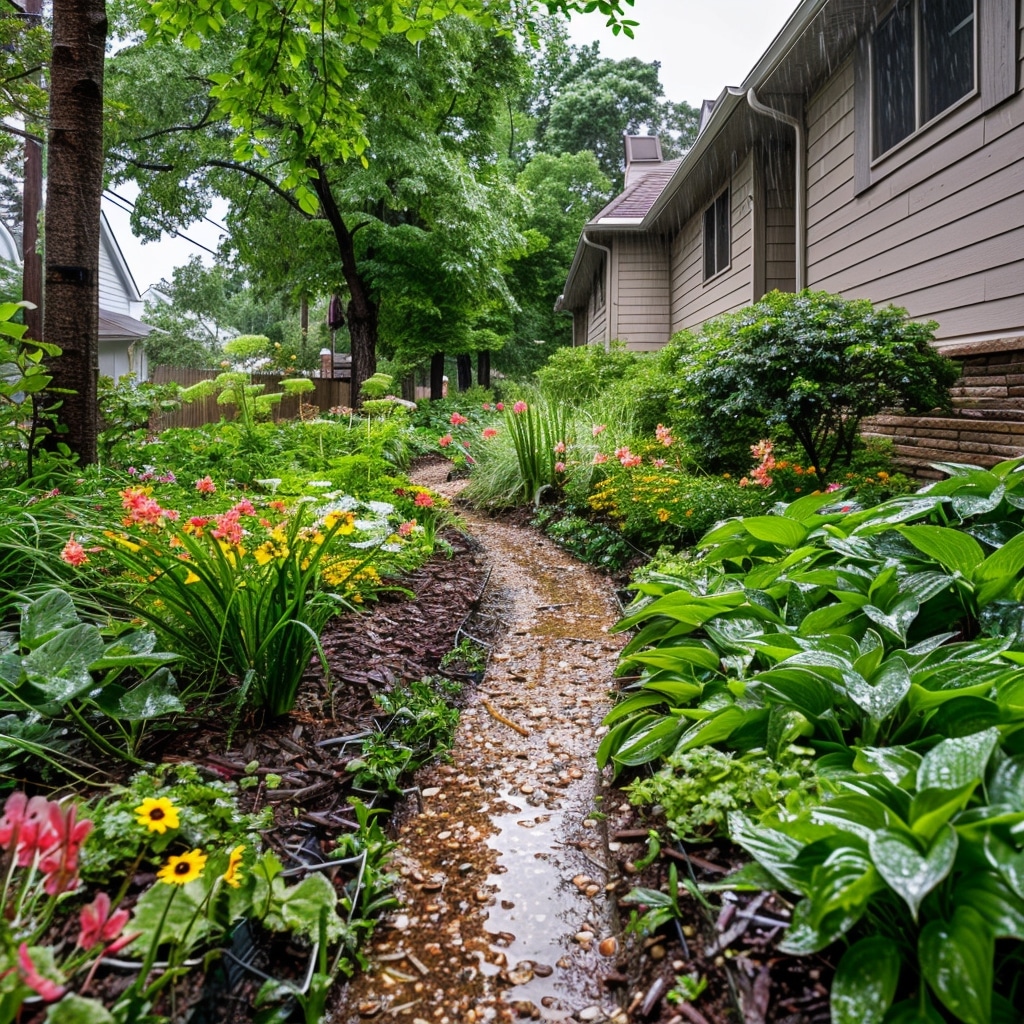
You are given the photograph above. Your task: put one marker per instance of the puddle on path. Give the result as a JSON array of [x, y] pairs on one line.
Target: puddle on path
[[504, 912]]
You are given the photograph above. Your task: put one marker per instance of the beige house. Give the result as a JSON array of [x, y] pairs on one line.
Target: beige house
[[876, 150]]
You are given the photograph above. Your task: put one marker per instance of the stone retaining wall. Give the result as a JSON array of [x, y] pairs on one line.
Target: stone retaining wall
[[987, 422]]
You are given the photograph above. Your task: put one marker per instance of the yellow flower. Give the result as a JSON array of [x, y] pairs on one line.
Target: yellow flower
[[122, 540], [663, 514], [157, 814], [231, 876], [191, 577], [184, 869]]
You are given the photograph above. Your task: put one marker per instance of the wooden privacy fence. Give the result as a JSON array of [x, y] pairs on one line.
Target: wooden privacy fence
[[328, 395]]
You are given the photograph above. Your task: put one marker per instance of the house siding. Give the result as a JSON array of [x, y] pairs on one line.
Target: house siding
[[942, 234], [113, 295], [692, 300], [641, 290], [780, 222], [597, 314]]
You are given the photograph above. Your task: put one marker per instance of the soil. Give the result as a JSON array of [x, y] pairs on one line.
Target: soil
[[515, 857]]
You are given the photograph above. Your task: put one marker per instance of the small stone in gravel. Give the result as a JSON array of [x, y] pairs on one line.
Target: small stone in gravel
[[608, 946], [590, 1013], [431, 791], [465, 868]]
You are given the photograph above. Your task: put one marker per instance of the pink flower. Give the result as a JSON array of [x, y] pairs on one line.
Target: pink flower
[[500, 406], [489, 432], [633, 460], [744, 481], [25, 826], [206, 485], [445, 441], [406, 528], [622, 453], [423, 500], [599, 458], [659, 463], [560, 447], [245, 508], [664, 435], [486, 407], [167, 478], [73, 553], [29, 974], [60, 860], [519, 407], [598, 428], [228, 528], [457, 420], [559, 467], [831, 488], [98, 924]]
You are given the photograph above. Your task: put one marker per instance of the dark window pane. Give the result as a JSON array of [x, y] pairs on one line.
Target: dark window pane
[[893, 78], [722, 231], [947, 53], [709, 242]]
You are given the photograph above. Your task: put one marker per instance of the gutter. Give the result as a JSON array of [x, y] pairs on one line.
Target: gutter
[[800, 225], [607, 289]]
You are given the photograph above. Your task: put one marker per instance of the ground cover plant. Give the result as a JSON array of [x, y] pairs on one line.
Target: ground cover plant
[[872, 658], [150, 596]]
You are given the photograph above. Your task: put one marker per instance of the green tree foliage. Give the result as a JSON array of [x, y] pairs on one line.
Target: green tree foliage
[[595, 100], [205, 306], [562, 194], [424, 218], [811, 363]]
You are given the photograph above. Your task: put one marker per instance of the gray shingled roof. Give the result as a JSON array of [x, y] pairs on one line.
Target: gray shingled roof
[[120, 325], [638, 198]]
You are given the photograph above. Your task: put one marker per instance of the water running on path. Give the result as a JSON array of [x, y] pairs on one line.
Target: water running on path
[[505, 911]]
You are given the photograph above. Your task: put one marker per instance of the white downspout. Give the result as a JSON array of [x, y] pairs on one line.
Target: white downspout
[[607, 289], [801, 177]]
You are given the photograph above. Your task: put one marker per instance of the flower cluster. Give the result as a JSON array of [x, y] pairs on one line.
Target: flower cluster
[[143, 510], [45, 835]]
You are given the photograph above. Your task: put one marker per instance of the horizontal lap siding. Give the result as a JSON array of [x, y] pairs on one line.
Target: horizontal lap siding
[[943, 235], [641, 293], [692, 300], [113, 297], [596, 319]]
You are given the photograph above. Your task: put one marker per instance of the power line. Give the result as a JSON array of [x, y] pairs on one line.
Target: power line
[[112, 195]]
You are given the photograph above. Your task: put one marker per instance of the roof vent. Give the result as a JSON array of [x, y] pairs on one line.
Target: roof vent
[[642, 153]]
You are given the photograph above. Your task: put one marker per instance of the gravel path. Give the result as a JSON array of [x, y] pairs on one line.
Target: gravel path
[[507, 906]]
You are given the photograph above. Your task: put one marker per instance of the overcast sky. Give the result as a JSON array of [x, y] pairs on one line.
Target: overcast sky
[[703, 46]]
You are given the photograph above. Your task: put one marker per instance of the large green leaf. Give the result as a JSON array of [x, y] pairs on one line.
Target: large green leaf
[[909, 872], [653, 741], [677, 657], [775, 851], [73, 1009], [865, 981], [956, 960], [957, 762], [155, 696], [883, 694], [59, 668], [898, 619], [932, 808], [713, 729], [797, 688], [993, 899], [957, 551], [41, 619], [776, 530], [897, 764], [1007, 560]]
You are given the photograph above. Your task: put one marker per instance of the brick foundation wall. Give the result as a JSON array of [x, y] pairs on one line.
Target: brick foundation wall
[[986, 425]]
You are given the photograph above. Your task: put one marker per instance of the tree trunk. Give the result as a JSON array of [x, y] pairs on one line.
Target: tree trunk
[[437, 376], [73, 190], [409, 387], [362, 309], [483, 367], [464, 368], [32, 205]]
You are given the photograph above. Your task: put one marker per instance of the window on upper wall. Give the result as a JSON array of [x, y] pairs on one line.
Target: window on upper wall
[[716, 236], [922, 63]]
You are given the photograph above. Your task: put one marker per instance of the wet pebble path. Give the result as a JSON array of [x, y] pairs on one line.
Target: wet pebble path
[[507, 907]]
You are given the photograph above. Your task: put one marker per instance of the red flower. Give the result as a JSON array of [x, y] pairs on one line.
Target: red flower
[[458, 420], [445, 441], [73, 553], [500, 406], [59, 861], [406, 528], [98, 924], [489, 432], [559, 467], [423, 500], [206, 485], [519, 407]]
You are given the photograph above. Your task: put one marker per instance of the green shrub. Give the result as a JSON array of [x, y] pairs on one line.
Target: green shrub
[[582, 374], [811, 364]]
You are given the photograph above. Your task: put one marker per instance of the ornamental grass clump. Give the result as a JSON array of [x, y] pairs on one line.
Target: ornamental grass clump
[[236, 593]]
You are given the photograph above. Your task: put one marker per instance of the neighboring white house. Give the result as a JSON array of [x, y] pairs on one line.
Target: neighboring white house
[[121, 332]]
